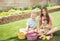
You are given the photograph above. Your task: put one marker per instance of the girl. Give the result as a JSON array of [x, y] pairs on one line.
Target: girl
[[44, 15]]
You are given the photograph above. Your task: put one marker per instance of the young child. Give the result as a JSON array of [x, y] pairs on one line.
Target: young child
[[32, 23], [44, 29], [44, 26]]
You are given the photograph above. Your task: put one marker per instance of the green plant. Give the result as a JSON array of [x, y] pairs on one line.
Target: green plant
[[49, 5], [37, 6], [13, 8], [28, 8], [4, 14]]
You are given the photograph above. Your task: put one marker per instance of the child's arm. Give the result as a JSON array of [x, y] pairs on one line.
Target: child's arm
[[36, 29], [27, 28]]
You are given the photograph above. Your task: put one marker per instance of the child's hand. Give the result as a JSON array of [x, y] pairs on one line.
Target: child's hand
[[35, 30], [45, 31]]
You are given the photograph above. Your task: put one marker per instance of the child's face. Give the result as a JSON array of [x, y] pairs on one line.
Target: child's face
[[33, 16]]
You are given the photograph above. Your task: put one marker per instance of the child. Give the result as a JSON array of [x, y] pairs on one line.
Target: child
[[32, 23], [44, 29], [44, 26]]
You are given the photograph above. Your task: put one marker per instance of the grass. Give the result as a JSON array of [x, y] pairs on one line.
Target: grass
[[8, 32]]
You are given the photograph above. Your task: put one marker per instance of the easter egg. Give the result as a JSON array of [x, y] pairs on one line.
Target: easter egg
[[48, 37], [44, 38], [40, 37]]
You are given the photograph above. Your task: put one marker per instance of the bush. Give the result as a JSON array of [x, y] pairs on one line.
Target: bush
[[28, 8], [37, 6], [13, 8], [4, 10], [49, 5]]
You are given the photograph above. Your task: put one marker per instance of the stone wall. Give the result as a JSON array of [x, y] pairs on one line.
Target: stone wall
[[24, 15]]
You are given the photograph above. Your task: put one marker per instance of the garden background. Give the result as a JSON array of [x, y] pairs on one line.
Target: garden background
[[13, 17]]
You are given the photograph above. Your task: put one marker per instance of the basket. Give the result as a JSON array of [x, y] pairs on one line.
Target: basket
[[22, 34], [31, 36]]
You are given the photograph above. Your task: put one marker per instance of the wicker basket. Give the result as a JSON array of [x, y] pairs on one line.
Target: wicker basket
[[31, 36]]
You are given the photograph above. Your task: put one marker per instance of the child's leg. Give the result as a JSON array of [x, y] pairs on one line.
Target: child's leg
[[49, 37], [52, 30]]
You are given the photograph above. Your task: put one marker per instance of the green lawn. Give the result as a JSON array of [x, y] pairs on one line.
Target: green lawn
[[8, 32]]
